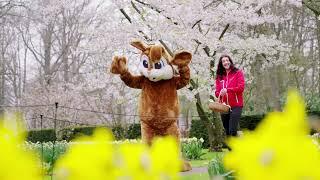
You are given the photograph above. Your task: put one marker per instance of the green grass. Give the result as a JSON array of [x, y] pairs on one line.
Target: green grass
[[205, 158]]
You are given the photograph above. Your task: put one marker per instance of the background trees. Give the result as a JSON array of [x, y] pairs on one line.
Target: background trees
[[60, 51]]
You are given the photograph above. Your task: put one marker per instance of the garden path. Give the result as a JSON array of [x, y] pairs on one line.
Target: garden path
[[195, 170]]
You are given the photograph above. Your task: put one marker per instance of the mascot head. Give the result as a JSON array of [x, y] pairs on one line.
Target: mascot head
[[154, 62]]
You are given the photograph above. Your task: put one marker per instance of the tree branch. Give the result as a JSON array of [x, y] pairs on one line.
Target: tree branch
[[196, 23], [156, 9], [312, 6], [149, 6], [140, 31], [224, 31], [166, 47], [125, 15], [210, 4]]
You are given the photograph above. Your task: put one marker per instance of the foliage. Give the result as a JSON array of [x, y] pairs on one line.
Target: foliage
[[69, 133], [216, 169], [48, 152], [250, 122], [192, 148], [118, 132], [43, 135], [134, 131], [313, 103], [206, 158], [199, 130]]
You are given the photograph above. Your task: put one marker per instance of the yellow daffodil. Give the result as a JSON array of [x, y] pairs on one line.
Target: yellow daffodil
[[88, 158], [278, 149], [166, 162], [16, 163], [134, 161], [97, 158], [160, 161]]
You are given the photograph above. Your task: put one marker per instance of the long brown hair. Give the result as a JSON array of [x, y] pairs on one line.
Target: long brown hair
[[221, 70]]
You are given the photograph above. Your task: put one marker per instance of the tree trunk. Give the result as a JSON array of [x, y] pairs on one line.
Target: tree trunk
[[24, 70], [314, 65], [64, 50], [318, 37], [213, 124], [47, 43], [275, 89], [2, 82]]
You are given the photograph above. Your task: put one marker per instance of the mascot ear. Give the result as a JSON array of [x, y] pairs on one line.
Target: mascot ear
[[156, 53], [139, 45], [182, 58]]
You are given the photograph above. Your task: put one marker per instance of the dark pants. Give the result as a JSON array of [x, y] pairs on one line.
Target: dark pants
[[231, 120]]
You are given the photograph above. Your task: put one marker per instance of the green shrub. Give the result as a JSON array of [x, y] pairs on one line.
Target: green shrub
[[216, 169], [70, 133], [192, 148], [314, 113], [43, 135], [118, 132], [250, 122], [134, 131], [199, 130], [84, 130], [313, 103]]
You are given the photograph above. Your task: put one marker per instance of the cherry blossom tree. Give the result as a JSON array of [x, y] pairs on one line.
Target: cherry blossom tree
[[209, 29], [70, 45]]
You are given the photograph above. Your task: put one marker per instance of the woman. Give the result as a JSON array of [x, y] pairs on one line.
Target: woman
[[230, 87]]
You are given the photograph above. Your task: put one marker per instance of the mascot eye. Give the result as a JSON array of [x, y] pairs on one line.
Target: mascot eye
[[145, 63], [158, 65]]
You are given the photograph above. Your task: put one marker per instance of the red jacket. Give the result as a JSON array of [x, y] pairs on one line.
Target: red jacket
[[234, 82]]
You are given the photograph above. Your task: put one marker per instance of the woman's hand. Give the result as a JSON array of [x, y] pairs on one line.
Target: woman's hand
[[223, 91]]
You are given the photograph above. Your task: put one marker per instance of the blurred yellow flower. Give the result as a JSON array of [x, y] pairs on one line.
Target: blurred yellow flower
[[134, 161], [160, 161], [278, 149], [97, 158], [88, 158], [16, 163], [166, 162]]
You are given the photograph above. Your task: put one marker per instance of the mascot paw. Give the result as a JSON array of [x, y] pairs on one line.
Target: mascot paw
[[119, 65], [186, 166], [182, 58]]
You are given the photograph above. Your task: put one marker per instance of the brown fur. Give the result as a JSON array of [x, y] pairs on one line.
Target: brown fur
[[155, 53], [159, 104], [118, 65]]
